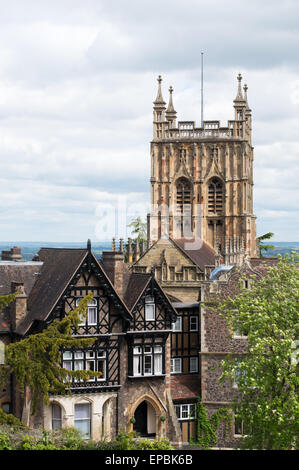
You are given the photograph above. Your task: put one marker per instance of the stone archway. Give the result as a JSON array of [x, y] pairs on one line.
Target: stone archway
[[145, 417]]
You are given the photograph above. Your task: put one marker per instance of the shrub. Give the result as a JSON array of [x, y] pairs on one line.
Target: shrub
[[9, 419], [5, 441], [129, 441]]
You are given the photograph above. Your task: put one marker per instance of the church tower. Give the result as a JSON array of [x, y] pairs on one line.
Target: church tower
[[202, 178]]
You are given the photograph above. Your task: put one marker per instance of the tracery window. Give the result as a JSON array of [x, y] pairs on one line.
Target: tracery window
[[215, 196], [183, 193]]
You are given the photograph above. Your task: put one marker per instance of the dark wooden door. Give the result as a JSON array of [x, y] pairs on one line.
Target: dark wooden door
[[140, 426]]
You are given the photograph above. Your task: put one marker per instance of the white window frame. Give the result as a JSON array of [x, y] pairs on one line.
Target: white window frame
[[193, 317], [149, 313], [177, 326], [173, 361], [148, 354], [90, 358], [91, 306], [140, 353], [137, 357], [88, 436], [185, 408]]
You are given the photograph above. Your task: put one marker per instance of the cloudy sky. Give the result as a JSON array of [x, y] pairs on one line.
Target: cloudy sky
[[77, 81]]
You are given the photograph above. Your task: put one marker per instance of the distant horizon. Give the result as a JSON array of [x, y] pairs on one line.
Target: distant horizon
[[110, 240]]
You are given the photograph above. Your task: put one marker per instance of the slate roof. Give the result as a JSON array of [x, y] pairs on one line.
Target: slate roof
[[136, 286], [45, 282], [16, 271], [204, 256], [59, 265]]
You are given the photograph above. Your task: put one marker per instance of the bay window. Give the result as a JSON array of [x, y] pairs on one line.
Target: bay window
[[147, 360], [93, 360]]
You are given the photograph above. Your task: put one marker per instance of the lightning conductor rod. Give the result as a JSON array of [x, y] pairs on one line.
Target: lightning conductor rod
[[202, 90]]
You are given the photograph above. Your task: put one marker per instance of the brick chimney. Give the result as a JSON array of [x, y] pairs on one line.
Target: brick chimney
[[113, 262], [13, 254], [18, 308]]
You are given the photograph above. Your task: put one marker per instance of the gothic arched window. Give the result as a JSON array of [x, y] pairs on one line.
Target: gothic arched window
[[183, 193], [215, 196]]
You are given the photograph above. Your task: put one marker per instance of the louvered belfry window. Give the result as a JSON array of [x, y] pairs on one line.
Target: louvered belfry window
[[183, 193], [215, 197]]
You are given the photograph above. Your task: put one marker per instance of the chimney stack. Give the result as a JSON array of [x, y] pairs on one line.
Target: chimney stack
[[113, 262], [19, 306], [14, 254]]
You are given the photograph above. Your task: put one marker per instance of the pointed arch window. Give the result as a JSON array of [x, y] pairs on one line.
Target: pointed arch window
[[183, 192], [215, 196]]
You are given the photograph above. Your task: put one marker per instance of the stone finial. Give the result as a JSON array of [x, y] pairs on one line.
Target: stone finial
[[239, 96], [89, 245], [159, 99], [113, 244], [121, 245], [245, 88], [170, 108]]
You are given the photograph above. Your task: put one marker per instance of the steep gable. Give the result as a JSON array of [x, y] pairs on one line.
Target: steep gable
[[62, 269]]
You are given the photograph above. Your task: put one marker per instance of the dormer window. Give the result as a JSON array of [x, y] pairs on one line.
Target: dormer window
[[149, 308]]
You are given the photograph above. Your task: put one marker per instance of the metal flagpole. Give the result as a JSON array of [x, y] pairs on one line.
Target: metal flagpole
[[202, 90]]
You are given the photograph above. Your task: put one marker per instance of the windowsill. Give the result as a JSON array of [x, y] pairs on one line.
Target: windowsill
[[157, 376], [186, 419]]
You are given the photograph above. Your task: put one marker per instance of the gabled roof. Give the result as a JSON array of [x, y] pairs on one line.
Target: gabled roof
[[137, 285], [203, 256], [60, 265]]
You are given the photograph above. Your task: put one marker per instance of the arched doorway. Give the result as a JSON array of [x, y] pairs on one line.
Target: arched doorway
[[145, 420]]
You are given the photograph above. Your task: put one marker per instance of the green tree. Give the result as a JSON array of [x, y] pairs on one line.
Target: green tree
[[138, 228], [261, 239], [266, 377], [35, 360]]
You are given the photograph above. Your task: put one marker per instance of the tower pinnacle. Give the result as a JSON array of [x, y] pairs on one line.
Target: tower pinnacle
[[245, 88], [159, 99], [239, 96], [170, 108]]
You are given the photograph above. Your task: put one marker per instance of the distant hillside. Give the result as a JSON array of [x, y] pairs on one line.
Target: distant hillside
[[29, 249], [281, 248]]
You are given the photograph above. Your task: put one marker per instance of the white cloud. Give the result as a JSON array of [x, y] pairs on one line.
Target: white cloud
[[77, 83]]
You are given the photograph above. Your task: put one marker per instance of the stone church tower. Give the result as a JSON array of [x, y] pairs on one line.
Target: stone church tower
[[202, 178]]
